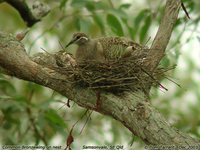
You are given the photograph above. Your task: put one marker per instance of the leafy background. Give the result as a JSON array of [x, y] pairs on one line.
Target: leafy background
[[31, 114]]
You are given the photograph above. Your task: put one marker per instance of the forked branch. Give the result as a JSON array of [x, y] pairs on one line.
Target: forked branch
[[161, 40], [133, 109]]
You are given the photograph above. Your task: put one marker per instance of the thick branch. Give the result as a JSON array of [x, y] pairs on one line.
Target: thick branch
[[25, 12], [133, 110], [163, 35]]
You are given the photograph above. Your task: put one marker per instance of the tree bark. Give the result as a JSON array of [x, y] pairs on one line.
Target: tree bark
[[26, 13], [133, 109], [160, 42]]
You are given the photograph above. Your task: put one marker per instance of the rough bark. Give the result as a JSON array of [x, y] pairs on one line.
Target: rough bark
[[160, 42], [133, 109], [26, 13]]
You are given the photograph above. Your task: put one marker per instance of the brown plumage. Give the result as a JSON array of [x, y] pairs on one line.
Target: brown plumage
[[102, 49]]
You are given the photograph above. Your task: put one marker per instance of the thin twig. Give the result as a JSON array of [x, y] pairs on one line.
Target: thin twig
[[86, 121], [32, 121], [185, 10]]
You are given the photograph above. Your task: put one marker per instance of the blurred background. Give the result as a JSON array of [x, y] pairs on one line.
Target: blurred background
[[31, 114]]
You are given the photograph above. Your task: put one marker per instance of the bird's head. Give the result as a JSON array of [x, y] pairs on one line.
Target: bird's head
[[79, 39]]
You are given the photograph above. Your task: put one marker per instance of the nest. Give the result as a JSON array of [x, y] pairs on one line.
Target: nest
[[114, 76]]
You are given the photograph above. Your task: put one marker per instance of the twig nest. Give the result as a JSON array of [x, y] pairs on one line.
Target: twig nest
[[114, 75]]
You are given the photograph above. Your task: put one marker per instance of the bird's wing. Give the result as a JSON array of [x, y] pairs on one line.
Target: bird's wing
[[117, 47]]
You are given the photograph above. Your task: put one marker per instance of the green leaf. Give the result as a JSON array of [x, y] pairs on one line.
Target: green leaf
[[140, 18], [115, 24], [125, 6], [85, 25], [44, 105], [119, 13], [6, 85], [100, 5], [62, 3], [198, 38], [78, 3], [77, 24], [90, 6], [179, 21], [145, 28], [52, 116], [5, 97], [165, 62], [35, 87], [130, 29], [98, 20], [131, 33]]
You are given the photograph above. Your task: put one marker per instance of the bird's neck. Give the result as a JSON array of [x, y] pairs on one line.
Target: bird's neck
[[87, 46], [85, 51]]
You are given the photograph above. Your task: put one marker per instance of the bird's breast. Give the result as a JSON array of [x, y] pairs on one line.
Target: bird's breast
[[89, 52]]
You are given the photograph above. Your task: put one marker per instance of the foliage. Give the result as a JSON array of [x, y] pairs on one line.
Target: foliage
[[31, 114]]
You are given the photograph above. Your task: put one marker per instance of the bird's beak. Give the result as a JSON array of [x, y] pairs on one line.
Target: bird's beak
[[71, 42]]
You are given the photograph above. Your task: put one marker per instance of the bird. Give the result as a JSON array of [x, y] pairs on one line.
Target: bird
[[102, 49]]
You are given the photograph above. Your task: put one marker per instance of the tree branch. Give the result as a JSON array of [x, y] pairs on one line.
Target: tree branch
[[133, 110], [157, 50], [26, 13]]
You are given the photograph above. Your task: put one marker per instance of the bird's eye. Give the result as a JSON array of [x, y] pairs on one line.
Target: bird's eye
[[78, 37]]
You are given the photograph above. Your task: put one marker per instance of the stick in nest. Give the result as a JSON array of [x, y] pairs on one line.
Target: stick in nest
[[115, 75]]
